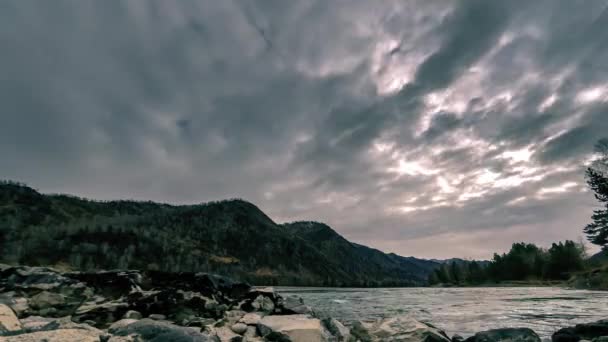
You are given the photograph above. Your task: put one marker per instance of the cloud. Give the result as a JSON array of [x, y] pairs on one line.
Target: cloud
[[418, 127]]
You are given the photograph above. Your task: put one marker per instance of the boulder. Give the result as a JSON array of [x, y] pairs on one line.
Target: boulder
[[295, 328], [225, 334], [295, 305], [587, 331], [251, 318], [505, 335], [103, 314], [8, 320], [18, 303], [46, 299], [263, 304], [33, 279], [33, 323], [120, 324], [157, 331], [157, 317], [399, 328], [337, 329], [60, 335]]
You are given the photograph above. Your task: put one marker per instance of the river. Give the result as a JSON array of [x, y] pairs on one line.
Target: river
[[462, 311]]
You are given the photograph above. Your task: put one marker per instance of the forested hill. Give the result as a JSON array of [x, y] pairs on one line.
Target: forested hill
[[231, 237]]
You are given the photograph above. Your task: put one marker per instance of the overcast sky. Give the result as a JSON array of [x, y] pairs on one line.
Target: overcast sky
[[427, 128]]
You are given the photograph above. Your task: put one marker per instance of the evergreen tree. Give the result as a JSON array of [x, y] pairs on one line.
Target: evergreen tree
[[597, 180]]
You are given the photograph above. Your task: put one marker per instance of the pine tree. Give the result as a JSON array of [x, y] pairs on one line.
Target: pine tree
[[597, 180]]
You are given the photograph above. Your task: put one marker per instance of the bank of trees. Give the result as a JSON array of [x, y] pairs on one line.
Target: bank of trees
[[524, 262], [597, 180]]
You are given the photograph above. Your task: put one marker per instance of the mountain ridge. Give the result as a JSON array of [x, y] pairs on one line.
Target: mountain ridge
[[229, 237]]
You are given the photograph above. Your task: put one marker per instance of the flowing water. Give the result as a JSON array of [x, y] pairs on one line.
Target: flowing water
[[462, 311]]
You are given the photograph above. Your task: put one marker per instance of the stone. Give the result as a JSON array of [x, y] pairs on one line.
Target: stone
[[586, 331], [8, 319], [239, 328], [61, 335], [233, 316], [263, 303], [505, 335], [360, 331], [151, 330], [120, 324], [251, 318], [33, 323], [404, 328], [19, 304], [101, 313], [132, 314], [46, 299], [157, 317], [337, 329], [295, 305], [227, 335], [601, 339], [457, 338], [295, 328]]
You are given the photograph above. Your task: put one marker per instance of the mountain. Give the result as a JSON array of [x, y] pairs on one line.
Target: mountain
[[231, 237]]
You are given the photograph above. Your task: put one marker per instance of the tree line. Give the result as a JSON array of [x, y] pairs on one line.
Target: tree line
[[524, 262]]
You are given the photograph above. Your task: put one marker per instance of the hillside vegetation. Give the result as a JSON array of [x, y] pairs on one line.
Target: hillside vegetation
[[231, 237]]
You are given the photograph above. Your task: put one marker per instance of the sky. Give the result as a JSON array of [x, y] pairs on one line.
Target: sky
[[429, 128]]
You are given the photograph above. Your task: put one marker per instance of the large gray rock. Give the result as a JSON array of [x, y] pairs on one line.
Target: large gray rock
[[295, 328], [263, 303], [295, 305], [251, 318], [399, 328], [505, 335], [587, 331], [337, 329], [60, 335], [158, 331], [8, 320], [46, 299], [18, 303]]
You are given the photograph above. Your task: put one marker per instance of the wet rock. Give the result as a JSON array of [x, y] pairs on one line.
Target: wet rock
[[588, 331], [295, 328], [400, 328], [505, 335], [8, 320], [239, 328]]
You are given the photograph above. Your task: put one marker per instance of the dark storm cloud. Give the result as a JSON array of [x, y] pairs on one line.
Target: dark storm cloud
[[402, 124]]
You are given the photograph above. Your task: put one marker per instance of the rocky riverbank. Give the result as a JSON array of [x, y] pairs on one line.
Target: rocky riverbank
[[42, 304]]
